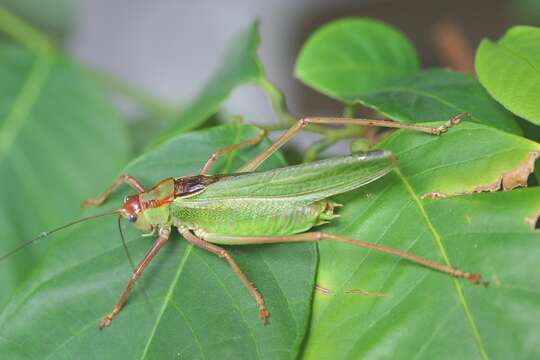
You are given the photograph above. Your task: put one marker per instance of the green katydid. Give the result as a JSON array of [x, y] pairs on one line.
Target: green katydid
[[249, 207]]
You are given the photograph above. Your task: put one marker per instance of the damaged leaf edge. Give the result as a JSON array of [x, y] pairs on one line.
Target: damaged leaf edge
[[506, 182]]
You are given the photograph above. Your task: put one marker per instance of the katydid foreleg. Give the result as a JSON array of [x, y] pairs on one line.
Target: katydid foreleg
[[189, 236], [164, 234], [218, 153], [302, 123], [122, 179]]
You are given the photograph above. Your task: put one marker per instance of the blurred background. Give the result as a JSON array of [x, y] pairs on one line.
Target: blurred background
[[169, 48]]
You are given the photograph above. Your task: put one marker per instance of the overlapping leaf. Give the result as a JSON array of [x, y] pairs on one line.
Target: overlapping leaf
[[510, 70], [350, 56], [197, 306], [403, 310], [437, 94]]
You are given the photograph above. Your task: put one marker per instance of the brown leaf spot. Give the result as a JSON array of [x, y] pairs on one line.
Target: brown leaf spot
[[434, 195], [508, 181], [323, 290], [364, 292], [494, 186]]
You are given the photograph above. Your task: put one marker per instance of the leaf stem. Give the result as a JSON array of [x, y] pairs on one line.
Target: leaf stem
[[279, 105], [24, 33], [147, 101], [332, 136], [277, 99]]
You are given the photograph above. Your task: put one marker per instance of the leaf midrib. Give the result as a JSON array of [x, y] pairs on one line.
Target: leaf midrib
[[438, 240], [166, 300]]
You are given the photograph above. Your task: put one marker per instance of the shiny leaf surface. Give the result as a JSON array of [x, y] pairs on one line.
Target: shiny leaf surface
[[510, 70], [437, 95], [402, 310], [348, 57], [59, 140]]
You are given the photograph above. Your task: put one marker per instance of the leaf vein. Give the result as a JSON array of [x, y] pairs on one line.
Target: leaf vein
[[167, 299], [438, 240]]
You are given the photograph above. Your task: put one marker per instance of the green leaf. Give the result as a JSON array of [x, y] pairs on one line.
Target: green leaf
[[526, 11], [348, 57], [437, 95], [54, 16], [198, 307], [240, 66], [403, 310], [59, 140], [510, 70]]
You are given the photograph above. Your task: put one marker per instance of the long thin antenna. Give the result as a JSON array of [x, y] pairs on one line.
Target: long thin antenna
[[126, 250], [47, 233]]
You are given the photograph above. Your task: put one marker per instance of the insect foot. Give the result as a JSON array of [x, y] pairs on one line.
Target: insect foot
[[447, 125], [476, 279], [264, 315], [106, 321]]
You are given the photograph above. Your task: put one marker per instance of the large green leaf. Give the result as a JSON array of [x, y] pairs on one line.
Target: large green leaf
[[198, 307], [510, 70], [438, 95], [59, 140], [240, 66], [350, 56], [402, 310]]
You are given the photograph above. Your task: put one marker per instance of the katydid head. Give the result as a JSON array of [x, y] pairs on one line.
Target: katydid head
[[131, 208], [149, 209]]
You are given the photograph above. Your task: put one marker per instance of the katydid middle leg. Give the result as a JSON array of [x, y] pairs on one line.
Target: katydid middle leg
[[164, 234], [122, 179], [219, 251], [317, 236], [302, 123]]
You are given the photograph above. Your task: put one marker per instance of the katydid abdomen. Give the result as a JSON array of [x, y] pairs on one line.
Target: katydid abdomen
[[255, 217], [283, 201]]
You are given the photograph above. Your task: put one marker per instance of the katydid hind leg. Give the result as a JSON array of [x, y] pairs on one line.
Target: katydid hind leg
[[164, 235], [316, 236], [302, 123], [220, 152], [122, 179], [219, 251]]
